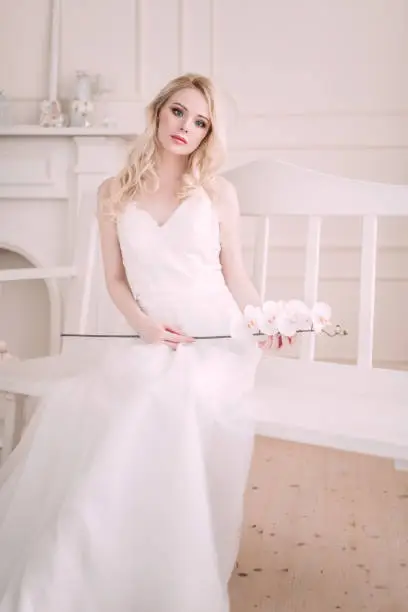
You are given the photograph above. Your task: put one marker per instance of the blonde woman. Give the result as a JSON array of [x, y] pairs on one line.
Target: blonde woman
[[126, 491]]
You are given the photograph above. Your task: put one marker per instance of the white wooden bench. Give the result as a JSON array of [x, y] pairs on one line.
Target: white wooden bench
[[351, 407]]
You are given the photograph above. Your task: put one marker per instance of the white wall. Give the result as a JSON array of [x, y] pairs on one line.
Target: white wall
[[321, 83]]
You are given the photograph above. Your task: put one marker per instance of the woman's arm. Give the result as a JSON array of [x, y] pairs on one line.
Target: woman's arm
[[235, 274], [117, 283], [114, 271]]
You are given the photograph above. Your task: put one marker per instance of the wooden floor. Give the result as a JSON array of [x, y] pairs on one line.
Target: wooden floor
[[324, 531]]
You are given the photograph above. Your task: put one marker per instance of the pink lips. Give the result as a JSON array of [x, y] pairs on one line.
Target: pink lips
[[179, 139]]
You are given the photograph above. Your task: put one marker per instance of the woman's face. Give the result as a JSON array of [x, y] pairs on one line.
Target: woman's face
[[183, 122]]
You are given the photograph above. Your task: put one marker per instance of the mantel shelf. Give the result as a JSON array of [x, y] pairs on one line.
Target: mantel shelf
[[38, 130]]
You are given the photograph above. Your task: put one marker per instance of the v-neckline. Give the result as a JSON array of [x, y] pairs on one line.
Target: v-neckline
[[158, 225]]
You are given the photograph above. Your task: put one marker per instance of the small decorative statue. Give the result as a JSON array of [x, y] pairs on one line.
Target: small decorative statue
[[51, 114], [82, 106]]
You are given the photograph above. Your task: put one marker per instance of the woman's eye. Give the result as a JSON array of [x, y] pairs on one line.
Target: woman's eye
[[201, 123], [177, 111]]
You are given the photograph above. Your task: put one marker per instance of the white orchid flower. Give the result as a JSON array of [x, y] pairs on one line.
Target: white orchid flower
[[253, 317], [271, 311], [240, 330], [293, 317], [321, 316], [284, 318]]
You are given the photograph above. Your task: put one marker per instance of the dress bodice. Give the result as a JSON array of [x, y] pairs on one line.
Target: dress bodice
[[174, 269]]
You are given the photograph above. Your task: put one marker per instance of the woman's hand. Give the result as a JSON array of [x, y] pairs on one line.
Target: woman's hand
[[155, 333], [276, 342]]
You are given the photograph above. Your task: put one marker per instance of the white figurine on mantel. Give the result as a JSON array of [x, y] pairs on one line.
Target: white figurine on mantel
[[82, 106], [51, 114]]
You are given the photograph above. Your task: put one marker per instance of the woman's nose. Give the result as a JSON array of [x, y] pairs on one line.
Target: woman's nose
[[185, 125]]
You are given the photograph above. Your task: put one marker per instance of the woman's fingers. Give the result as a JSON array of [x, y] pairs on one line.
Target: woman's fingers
[[174, 329], [275, 341], [173, 336], [177, 338], [266, 344]]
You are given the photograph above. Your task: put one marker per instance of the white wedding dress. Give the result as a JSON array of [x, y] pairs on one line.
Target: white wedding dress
[[126, 491]]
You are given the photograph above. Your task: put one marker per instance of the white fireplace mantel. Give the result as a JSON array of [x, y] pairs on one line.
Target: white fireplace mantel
[[37, 130], [46, 175]]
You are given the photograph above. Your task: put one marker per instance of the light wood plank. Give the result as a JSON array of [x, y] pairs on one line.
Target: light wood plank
[[324, 531]]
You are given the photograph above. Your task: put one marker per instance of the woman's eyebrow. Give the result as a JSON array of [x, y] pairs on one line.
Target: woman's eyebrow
[[186, 109]]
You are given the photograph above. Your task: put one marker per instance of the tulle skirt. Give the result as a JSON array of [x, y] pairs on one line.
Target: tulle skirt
[[126, 491]]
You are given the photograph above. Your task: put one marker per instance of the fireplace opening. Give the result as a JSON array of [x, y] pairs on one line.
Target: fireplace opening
[[25, 310]]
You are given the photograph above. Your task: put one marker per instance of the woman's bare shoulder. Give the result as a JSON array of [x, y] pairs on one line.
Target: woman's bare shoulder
[[104, 193], [223, 187], [225, 195], [106, 188]]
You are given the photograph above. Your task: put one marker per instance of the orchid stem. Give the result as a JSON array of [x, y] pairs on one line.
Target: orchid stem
[[337, 332]]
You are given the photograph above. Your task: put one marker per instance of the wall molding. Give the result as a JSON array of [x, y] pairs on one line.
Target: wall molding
[[319, 130], [315, 147], [211, 36], [28, 171], [335, 114], [138, 10], [181, 26]]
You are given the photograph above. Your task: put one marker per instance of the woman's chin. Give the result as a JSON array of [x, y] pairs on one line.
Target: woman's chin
[[178, 150]]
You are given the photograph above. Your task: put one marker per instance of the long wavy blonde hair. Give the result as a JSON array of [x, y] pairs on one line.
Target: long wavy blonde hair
[[140, 173]]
